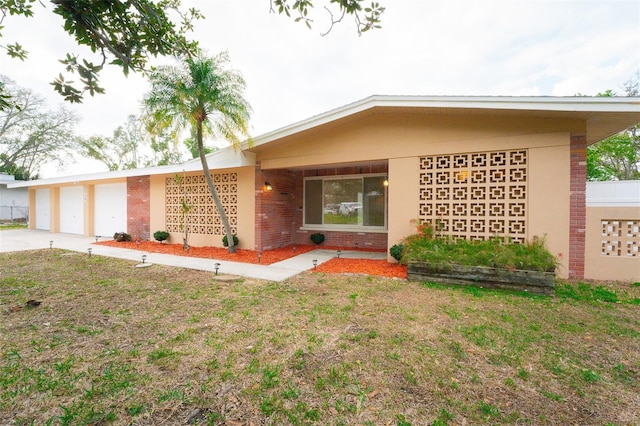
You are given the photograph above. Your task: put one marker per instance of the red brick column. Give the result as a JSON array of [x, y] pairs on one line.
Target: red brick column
[[279, 211], [577, 206], [138, 209]]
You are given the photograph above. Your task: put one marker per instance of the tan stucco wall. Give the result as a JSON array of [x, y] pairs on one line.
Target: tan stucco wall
[[89, 209], [549, 190], [245, 215], [387, 136], [599, 266], [402, 139], [32, 208], [403, 198], [54, 209]]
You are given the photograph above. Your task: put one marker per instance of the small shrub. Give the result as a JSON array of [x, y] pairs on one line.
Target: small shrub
[[161, 235], [225, 242], [121, 236], [396, 251], [317, 238]]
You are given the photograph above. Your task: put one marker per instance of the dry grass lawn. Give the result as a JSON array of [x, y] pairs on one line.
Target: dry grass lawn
[[115, 344]]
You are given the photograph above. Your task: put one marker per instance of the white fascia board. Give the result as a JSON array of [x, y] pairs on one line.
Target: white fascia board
[[225, 158]]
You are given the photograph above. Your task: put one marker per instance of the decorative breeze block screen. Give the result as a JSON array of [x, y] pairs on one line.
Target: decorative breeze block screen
[[202, 217], [620, 238], [475, 195]]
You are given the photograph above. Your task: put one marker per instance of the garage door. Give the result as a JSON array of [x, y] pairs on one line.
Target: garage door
[[110, 209], [72, 210], [42, 209]]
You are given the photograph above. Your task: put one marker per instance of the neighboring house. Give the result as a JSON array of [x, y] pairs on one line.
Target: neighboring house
[[14, 202], [479, 166]]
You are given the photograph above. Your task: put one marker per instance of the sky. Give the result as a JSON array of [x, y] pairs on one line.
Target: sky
[[425, 47]]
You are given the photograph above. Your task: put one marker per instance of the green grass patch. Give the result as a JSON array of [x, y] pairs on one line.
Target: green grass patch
[[112, 344]]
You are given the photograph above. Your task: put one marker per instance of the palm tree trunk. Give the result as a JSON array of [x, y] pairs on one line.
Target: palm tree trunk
[[214, 192]]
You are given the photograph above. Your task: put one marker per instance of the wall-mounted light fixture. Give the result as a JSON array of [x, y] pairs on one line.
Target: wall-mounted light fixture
[[268, 187], [385, 182]]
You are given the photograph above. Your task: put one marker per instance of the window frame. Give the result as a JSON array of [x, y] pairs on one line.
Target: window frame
[[338, 227]]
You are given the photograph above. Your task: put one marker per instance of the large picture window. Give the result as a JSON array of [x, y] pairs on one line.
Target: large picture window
[[345, 202]]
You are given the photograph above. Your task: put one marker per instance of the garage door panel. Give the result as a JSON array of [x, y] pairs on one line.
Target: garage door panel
[[110, 209], [43, 201], [72, 210]]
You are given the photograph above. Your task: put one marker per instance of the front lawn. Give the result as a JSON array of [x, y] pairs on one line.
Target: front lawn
[[114, 344]]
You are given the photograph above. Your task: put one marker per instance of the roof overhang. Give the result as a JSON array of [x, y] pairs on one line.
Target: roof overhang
[[603, 116], [226, 158]]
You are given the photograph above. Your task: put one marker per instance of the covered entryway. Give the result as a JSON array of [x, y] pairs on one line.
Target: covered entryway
[[72, 210], [43, 201], [110, 209]]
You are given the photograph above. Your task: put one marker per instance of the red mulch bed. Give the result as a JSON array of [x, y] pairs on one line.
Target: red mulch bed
[[342, 265], [380, 268]]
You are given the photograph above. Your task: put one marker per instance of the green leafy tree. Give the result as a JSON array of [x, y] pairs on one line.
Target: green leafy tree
[[32, 134], [125, 148], [118, 152], [127, 34], [204, 96], [618, 156]]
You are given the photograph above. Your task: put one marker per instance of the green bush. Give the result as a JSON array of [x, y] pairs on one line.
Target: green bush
[[225, 242], [161, 235], [498, 252], [396, 251], [317, 238]]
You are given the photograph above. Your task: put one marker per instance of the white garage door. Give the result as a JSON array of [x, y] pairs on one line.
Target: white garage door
[[72, 210], [42, 209], [110, 209]]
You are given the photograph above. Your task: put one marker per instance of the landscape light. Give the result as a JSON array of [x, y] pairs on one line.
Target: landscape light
[[259, 257], [89, 251], [217, 266], [339, 253], [315, 263], [144, 258], [50, 244]]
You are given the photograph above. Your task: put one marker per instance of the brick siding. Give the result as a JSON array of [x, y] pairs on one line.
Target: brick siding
[[577, 206], [138, 210], [279, 211]]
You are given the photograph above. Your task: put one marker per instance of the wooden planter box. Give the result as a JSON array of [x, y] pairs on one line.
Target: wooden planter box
[[532, 281]]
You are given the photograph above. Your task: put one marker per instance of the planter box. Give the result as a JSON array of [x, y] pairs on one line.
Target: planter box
[[532, 281]]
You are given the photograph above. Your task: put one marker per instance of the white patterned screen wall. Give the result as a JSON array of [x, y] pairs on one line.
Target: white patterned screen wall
[[620, 238], [202, 216], [476, 195]]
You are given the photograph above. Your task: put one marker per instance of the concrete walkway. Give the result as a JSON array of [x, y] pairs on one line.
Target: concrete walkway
[[18, 240]]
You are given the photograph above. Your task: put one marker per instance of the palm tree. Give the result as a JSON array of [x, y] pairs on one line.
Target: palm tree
[[206, 97]]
